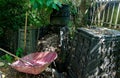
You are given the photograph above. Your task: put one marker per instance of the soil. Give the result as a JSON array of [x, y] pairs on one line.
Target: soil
[[8, 72]]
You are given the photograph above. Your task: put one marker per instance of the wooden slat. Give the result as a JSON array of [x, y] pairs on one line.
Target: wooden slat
[[108, 13], [103, 18], [112, 15], [93, 15], [95, 12], [98, 14], [117, 15]]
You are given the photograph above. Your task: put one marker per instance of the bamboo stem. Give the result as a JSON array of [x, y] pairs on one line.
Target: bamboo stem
[[25, 32]]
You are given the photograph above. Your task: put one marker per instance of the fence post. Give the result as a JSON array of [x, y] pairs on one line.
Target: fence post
[[0, 74], [112, 15], [117, 16]]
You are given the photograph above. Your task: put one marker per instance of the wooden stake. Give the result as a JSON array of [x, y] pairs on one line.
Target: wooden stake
[[25, 32]]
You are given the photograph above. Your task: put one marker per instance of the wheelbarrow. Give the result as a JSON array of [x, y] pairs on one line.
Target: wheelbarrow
[[33, 63]]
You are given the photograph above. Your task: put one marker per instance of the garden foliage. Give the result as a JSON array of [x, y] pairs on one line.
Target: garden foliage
[[12, 14]]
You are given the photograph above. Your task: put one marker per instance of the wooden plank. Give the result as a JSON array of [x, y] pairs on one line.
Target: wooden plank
[[99, 14], [103, 18], [112, 16], [95, 22], [117, 16], [93, 13], [108, 13]]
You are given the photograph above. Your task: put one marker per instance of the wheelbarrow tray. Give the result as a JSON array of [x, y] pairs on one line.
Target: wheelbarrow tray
[[39, 60]]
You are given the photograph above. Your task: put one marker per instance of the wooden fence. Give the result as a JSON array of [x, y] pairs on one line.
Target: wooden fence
[[105, 13]]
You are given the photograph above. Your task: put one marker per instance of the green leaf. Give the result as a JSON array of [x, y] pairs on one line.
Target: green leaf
[[59, 4], [49, 2], [35, 5], [55, 6], [55, 1], [32, 1], [41, 2], [8, 58], [19, 52]]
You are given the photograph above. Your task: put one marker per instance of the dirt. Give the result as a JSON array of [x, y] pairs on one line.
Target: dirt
[[8, 72]]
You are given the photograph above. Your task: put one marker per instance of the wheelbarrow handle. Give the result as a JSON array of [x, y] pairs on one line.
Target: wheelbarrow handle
[[9, 53], [16, 56]]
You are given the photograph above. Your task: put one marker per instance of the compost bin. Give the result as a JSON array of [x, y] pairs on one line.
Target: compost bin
[[96, 54]]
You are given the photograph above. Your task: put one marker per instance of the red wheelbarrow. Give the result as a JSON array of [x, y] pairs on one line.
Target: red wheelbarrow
[[39, 62], [34, 63]]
